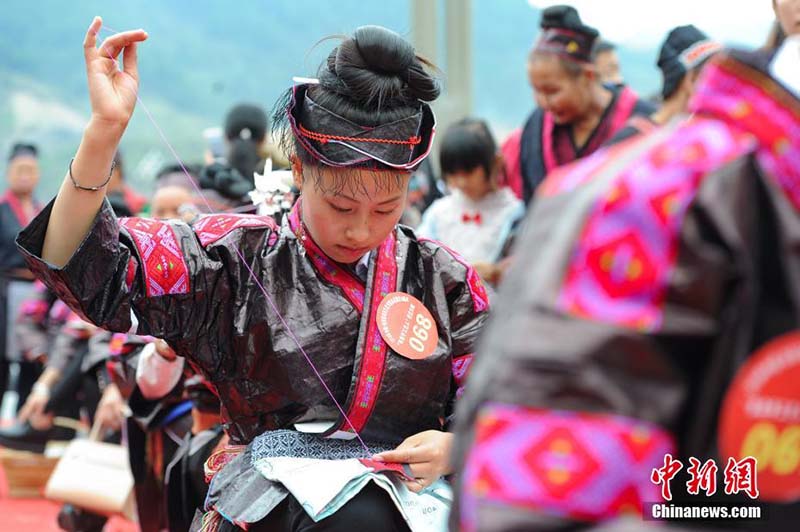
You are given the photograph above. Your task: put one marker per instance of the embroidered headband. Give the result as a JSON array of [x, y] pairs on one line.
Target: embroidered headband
[[698, 52], [335, 141], [568, 44], [564, 34]]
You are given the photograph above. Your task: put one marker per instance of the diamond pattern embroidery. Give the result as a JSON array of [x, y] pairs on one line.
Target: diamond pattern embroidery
[[621, 266], [165, 269], [587, 466]]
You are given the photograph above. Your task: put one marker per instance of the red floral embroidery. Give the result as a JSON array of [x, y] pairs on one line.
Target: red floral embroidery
[[164, 266]]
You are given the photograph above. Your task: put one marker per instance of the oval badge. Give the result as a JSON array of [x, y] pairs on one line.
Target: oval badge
[[407, 326]]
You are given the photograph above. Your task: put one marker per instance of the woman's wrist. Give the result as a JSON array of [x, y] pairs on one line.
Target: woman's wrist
[[102, 134]]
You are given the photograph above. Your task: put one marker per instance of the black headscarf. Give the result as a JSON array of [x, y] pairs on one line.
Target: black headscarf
[[686, 48]]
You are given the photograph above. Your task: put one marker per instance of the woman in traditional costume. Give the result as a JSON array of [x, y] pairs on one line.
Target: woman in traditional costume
[[17, 209], [654, 321], [284, 321], [576, 113]]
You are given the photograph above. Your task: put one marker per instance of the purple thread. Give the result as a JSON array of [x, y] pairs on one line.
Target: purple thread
[[252, 273]]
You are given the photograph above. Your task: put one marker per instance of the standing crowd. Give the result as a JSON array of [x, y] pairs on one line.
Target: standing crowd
[[237, 330]]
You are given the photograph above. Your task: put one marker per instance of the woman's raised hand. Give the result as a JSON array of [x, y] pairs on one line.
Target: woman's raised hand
[[112, 92]]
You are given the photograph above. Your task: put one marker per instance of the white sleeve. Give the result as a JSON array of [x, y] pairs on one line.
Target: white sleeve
[[155, 375]]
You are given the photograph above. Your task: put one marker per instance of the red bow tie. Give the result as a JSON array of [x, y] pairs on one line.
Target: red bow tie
[[476, 218]]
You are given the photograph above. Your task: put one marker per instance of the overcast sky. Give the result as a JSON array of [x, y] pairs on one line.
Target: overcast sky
[[645, 23]]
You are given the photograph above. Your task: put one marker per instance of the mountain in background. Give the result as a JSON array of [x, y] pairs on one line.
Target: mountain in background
[[204, 56]]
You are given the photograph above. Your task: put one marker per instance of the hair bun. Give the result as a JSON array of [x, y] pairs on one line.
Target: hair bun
[[384, 50], [566, 18], [377, 67]]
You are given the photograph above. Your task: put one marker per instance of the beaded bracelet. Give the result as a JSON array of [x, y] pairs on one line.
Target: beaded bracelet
[[95, 188]]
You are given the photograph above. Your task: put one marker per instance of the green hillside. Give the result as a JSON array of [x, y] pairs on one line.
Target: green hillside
[[203, 56]]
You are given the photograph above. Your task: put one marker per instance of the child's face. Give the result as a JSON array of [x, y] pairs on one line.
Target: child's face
[[474, 183], [348, 224]]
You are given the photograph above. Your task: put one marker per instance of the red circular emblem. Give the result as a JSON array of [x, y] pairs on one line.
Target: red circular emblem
[[761, 417], [407, 326]]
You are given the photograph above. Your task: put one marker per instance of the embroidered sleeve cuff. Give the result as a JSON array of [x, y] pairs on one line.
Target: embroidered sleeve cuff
[[579, 465]]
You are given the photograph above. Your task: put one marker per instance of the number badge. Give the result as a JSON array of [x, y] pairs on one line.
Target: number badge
[[760, 417], [407, 326]]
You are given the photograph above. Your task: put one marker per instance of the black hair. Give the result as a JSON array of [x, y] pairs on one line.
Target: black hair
[[580, 35], [602, 46], [23, 148], [246, 120], [173, 174], [775, 37], [119, 205], [245, 129], [373, 78], [566, 18], [466, 145], [673, 71], [572, 68]]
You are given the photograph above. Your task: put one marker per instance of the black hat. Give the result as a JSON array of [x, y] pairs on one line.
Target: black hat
[[686, 48], [23, 150], [566, 35], [246, 121]]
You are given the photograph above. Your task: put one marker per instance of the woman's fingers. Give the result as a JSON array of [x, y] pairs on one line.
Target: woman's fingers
[[422, 454], [419, 484], [25, 412], [34, 406], [129, 65], [415, 485], [90, 40], [423, 470], [113, 45], [401, 455]]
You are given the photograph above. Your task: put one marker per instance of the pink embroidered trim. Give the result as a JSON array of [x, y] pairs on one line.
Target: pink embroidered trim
[[751, 100], [585, 466], [373, 358], [461, 366], [213, 228], [620, 269], [160, 254], [19, 213]]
